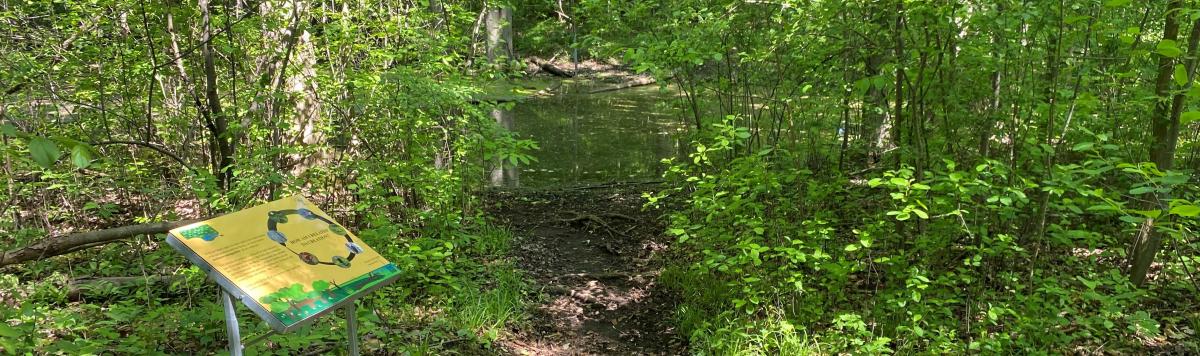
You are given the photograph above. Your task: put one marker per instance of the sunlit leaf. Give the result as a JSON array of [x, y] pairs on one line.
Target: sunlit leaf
[[921, 213], [81, 156], [44, 151], [1189, 116], [1186, 210], [1168, 48]]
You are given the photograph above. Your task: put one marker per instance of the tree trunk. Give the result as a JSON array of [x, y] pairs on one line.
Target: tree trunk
[[308, 125], [876, 119], [218, 125], [1165, 127], [498, 24]]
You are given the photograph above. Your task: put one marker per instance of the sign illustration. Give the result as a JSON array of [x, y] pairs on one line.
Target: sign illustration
[[287, 260]]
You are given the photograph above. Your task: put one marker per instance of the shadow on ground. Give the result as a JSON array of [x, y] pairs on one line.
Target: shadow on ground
[[591, 250]]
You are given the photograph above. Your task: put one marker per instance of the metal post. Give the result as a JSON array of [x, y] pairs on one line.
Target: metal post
[[352, 327], [231, 325]]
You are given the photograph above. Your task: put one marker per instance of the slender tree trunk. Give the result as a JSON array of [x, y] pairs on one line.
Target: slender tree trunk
[[218, 124], [898, 33], [1165, 128], [875, 115]]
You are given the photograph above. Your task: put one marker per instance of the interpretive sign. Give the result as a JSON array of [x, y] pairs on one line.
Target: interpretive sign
[[287, 260]]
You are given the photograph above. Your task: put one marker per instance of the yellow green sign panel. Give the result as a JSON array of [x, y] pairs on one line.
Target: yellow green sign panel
[[287, 260]]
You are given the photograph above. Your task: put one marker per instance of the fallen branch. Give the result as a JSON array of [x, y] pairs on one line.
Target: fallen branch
[[54, 246], [151, 146], [598, 221], [643, 81], [553, 69]]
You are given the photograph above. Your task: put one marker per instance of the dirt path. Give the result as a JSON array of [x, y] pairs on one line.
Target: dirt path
[[591, 252]]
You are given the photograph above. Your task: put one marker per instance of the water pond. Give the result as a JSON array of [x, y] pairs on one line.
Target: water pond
[[592, 137]]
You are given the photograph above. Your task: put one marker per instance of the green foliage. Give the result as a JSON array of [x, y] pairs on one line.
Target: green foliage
[[109, 119], [478, 301], [772, 259]]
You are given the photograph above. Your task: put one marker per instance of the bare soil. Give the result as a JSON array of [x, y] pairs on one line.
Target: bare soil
[[591, 250]]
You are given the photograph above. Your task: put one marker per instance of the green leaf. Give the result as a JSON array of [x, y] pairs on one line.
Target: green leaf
[[1083, 146], [921, 213], [1141, 190], [1181, 76], [9, 130], [1189, 116], [1168, 48], [862, 85], [44, 151], [8, 331], [1174, 178], [81, 156], [1186, 210], [851, 248], [1153, 214], [1131, 219], [1116, 3], [898, 181]]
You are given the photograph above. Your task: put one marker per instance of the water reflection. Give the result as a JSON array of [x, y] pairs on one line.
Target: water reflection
[[503, 172], [619, 135]]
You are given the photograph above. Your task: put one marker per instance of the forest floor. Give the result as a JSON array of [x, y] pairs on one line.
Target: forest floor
[[591, 251]]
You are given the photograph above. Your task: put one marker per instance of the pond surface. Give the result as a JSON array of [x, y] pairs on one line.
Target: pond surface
[[588, 138]]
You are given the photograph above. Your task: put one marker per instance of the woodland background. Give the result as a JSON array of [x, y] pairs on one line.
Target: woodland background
[[867, 177]]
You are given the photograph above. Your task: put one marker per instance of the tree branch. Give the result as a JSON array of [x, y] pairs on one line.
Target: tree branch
[[150, 146], [54, 246]]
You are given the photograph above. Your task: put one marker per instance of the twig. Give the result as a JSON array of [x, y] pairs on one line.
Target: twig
[[162, 150]]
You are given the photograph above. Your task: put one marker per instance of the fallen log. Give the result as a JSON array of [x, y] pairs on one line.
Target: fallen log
[[553, 69], [58, 245], [626, 85]]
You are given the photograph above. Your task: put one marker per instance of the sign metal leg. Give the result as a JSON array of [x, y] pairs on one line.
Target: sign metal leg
[[352, 327], [231, 325]]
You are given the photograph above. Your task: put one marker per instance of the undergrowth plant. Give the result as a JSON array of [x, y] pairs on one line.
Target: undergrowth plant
[[776, 259]]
